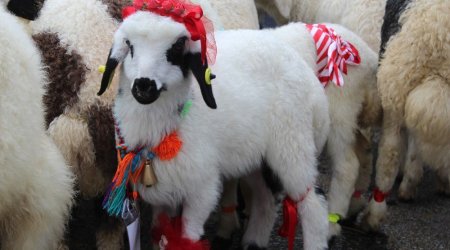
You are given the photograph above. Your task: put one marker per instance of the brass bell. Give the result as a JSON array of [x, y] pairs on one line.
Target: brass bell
[[149, 176]]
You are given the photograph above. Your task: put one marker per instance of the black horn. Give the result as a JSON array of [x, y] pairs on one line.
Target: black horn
[[111, 65]]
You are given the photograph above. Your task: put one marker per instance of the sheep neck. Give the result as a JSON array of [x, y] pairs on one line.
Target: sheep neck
[[147, 125]]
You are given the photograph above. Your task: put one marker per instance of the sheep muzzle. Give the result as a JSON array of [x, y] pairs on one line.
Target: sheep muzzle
[[145, 90]]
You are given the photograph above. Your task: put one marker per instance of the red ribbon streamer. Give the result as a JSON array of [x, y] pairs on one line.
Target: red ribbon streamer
[[290, 220]]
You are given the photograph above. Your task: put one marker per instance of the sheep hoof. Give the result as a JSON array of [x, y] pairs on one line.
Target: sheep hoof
[[443, 188], [356, 206], [406, 194], [374, 215], [221, 243], [334, 229]]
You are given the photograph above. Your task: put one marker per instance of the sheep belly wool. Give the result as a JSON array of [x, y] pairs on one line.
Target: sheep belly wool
[[414, 84], [36, 184]]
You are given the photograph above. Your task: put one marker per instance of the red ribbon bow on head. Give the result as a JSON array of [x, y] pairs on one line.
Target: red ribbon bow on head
[[333, 53], [181, 11]]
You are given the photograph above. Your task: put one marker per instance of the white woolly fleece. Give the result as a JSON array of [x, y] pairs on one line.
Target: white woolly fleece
[[36, 184]]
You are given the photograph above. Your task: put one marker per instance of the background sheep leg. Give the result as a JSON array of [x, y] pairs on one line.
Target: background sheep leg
[[412, 172], [363, 150], [345, 172], [391, 150], [297, 172], [228, 222], [110, 234], [262, 212]]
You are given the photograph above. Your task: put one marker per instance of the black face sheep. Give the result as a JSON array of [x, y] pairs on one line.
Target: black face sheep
[[256, 91]]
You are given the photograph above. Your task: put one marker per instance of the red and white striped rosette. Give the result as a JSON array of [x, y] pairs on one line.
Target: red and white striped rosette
[[333, 54]]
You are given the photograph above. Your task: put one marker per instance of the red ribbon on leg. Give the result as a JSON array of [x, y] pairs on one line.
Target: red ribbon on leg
[[378, 195], [169, 233], [290, 220]]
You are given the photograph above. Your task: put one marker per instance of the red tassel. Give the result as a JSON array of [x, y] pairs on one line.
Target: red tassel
[[290, 219], [171, 231]]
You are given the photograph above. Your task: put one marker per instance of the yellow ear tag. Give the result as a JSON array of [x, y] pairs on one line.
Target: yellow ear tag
[[208, 76], [334, 218], [101, 69]]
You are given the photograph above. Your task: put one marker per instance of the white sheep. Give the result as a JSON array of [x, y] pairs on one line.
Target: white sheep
[[267, 109], [36, 185], [364, 17], [413, 81], [71, 36], [358, 96], [346, 103]]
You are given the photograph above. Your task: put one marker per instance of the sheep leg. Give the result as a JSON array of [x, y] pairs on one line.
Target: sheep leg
[[364, 153], [198, 206], [297, 173], [109, 235], [413, 172], [345, 172], [262, 212], [228, 221], [389, 159]]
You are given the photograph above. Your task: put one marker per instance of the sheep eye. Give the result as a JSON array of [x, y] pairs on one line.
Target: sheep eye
[[175, 54], [131, 47], [178, 46]]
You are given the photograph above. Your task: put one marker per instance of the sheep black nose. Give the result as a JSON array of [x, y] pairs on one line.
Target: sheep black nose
[[145, 90], [144, 84]]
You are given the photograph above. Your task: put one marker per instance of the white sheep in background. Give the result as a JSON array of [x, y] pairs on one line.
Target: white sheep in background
[[414, 84], [273, 111], [36, 184], [235, 14], [346, 103], [364, 17], [358, 96]]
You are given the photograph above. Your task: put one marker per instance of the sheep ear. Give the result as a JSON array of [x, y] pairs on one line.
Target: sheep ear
[[203, 75], [116, 55], [28, 9]]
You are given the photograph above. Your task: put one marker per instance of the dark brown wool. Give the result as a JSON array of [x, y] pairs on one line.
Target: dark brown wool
[[115, 7], [66, 73], [101, 129]]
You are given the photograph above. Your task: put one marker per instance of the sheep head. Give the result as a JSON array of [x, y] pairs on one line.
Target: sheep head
[[157, 54]]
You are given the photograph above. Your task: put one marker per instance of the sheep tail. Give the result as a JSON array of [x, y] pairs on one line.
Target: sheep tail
[[169, 235]]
